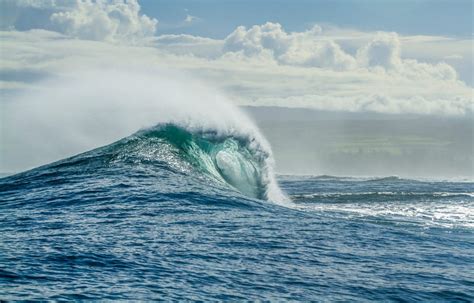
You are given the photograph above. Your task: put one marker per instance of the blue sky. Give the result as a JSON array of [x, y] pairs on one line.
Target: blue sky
[[218, 18]]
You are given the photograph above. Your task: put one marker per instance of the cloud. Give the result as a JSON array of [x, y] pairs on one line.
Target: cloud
[[190, 19], [112, 21], [269, 36], [248, 80], [302, 49], [380, 52], [264, 65], [383, 50], [105, 21], [324, 54], [454, 57], [189, 45], [33, 3]]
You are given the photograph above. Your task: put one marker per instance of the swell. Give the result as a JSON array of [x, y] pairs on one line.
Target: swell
[[163, 153], [239, 162], [367, 197], [387, 179]]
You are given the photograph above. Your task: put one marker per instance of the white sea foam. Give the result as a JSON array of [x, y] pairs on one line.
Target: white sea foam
[[459, 213]]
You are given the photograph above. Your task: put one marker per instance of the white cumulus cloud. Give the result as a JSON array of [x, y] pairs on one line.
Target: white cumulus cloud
[[263, 65], [101, 20], [304, 48], [383, 50]]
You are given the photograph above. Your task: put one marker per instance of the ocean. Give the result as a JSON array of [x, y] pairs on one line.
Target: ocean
[[183, 214]]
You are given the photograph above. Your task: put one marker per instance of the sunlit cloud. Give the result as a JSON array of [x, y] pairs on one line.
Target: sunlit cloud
[[323, 67]]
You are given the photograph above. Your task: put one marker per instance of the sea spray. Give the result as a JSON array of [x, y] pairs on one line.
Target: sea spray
[[69, 114]]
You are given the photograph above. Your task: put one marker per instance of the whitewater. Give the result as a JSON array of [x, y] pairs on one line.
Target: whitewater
[[153, 186]]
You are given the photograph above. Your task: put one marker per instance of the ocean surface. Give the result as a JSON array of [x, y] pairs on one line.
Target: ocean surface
[[177, 214]]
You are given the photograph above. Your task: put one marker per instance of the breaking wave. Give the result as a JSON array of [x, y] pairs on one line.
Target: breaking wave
[[239, 162], [181, 121]]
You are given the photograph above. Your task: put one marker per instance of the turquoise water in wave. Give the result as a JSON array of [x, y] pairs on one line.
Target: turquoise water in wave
[[188, 216]]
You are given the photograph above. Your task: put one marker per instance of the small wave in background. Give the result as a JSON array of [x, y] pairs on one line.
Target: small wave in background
[[426, 203]]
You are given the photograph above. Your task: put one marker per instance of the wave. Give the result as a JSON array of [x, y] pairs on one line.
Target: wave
[[447, 209], [417, 179], [240, 162], [380, 197], [330, 178], [197, 127], [230, 161], [365, 195], [354, 178], [387, 179], [378, 179]]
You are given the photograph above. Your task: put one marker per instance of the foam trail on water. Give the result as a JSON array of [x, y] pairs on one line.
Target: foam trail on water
[[69, 114]]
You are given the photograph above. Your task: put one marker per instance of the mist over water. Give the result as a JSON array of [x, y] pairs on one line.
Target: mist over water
[[368, 144], [76, 113], [73, 113]]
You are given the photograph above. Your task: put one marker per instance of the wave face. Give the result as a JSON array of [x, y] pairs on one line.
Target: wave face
[[240, 163], [232, 163]]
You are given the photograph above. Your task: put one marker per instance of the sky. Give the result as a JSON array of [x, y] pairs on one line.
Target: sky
[[407, 17], [386, 57]]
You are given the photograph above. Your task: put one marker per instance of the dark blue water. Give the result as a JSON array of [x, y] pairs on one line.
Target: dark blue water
[[136, 220]]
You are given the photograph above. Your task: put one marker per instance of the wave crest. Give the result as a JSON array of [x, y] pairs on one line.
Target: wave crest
[[241, 162], [92, 108]]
